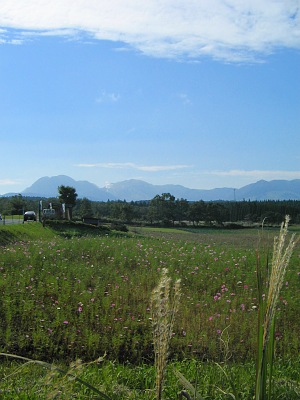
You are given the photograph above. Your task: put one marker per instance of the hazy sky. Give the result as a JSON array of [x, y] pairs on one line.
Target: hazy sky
[[202, 93]]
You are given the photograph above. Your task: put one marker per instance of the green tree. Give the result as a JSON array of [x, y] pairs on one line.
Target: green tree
[[67, 196], [122, 211], [215, 212], [197, 212], [127, 212], [163, 208], [115, 209], [101, 209], [86, 209], [182, 208], [17, 204]]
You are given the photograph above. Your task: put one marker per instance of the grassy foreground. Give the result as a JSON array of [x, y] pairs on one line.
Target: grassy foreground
[[124, 381], [82, 297]]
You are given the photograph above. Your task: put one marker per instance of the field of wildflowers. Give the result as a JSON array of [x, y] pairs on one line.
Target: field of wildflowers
[[65, 299]]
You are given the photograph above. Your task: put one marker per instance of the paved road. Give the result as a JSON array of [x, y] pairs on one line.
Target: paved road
[[11, 221]]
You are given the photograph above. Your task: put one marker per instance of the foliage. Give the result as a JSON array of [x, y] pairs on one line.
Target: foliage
[[12, 205], [43, 283], [17, 204], [163, 208], [121, 211], [267, 310], [266, 320], [19, 380], [67, 196], [70, 374], [85, 208], [71, 229], [166, 210]]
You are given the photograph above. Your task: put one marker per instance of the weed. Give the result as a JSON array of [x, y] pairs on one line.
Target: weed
[[163, 315]]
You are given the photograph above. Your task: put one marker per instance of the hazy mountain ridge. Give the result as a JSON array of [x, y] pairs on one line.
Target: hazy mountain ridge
[[47, 187], [135, 190]]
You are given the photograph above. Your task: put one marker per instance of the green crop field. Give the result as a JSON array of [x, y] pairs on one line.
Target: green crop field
[[68, 297]]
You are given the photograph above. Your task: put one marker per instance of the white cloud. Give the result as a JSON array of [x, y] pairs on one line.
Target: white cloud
[[158, 168], [5, 182], [106, 165], [231, 30], [128, 165], [258, 174]]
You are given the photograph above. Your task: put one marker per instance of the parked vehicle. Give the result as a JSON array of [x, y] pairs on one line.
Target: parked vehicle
[[49, 213], [29, 216]]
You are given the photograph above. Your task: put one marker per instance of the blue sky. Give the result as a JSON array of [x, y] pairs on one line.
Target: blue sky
[[203, 94]]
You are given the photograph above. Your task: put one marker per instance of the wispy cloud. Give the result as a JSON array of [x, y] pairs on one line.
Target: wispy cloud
[[128, 165], [258, 174], [230, 30], [158, 168], [185, 98], [5, 182], [106, 97]]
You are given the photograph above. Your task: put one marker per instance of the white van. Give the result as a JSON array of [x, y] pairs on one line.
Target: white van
[[49, 213]]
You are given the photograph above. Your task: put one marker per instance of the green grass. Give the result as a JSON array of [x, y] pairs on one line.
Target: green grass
[[124, 381], [44, 279], [36, 231], [69, 229], [24, 232], [147, 230], [82, 297]]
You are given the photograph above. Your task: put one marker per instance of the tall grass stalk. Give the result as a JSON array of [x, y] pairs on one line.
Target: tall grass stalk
[[266, 321], [164, 307], [67, 374], [282, 252]]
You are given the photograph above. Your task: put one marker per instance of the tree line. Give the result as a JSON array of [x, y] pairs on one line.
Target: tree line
[[163, 209]]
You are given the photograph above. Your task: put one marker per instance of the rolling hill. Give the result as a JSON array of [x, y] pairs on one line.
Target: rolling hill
[[136, 190]]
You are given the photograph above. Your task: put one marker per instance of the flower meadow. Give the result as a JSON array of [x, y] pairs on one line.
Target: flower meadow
[[64, 299]]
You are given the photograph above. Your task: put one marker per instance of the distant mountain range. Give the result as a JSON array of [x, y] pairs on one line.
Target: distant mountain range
[[135, 190]]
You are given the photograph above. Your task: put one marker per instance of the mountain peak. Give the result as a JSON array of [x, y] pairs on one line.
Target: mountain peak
[[137, 190]]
